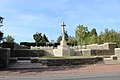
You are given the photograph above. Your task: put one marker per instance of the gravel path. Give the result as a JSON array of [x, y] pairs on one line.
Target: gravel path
[[61, 71]]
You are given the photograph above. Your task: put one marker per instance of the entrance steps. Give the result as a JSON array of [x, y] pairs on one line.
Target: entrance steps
[[24, 63]]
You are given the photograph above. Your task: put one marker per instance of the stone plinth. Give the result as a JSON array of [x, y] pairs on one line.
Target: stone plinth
[[62, 50], [4, 57], [117, 53]]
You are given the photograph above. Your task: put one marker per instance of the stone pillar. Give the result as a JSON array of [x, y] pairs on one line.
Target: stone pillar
[[117, 53], [4, 57]]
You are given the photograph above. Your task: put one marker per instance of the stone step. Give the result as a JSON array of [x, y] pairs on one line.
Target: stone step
[[31, 65], [15, 59], [23, 58], [25, 64]]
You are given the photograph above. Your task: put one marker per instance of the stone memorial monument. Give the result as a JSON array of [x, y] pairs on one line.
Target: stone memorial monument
[[63, 49]]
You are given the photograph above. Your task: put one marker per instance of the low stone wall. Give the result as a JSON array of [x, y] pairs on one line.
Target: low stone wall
[[102, 52], [27, 53], [66, 62], [42, 48], [89, 52], [48, 52], [4, 57], [13, 46], [77, 53], [86, 52], [105, 46], [117, 53]]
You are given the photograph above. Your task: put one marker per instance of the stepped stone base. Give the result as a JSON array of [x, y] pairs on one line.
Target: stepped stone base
[[63, 50], [25, 64]]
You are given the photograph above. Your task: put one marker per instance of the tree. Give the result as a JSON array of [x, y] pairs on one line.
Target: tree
[[93, 32], [9, 39], [60, 37], [44, 38], [81, 33], [92, 37], [37, 37], [1, 21], [1, 34], [72, 41]]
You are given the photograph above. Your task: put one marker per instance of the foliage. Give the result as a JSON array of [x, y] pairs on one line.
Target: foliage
[[1, 20], [72, 41], [1, 34], [60, 37], [39, 38], [109, 36], [91, 37], [9, 39], [81, 34], [44, 38], [84, 36]]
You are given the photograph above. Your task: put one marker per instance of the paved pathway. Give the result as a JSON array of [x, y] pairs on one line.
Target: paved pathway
[[53, 73]]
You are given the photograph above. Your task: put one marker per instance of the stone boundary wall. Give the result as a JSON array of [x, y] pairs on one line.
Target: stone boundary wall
[[42, 48], [49, 52], [13, 46], [89, 52], [66, 62], [105, 46], [17, 46], [4, 57], [27, 53], [77, 53], [102, 52], [117, 53], [99, 50], [86, 52], [31, 53]]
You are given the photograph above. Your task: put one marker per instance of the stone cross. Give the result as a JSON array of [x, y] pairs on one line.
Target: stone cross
[[63, 31]]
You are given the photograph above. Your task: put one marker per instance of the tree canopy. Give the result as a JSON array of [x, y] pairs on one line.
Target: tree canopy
[[81, 34], [84, 36], [60, 37], [39, 38], [9, 39], [1, 34], [44, 38]]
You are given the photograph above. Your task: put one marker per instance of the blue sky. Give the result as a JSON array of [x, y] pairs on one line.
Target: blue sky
[[25, 17]]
